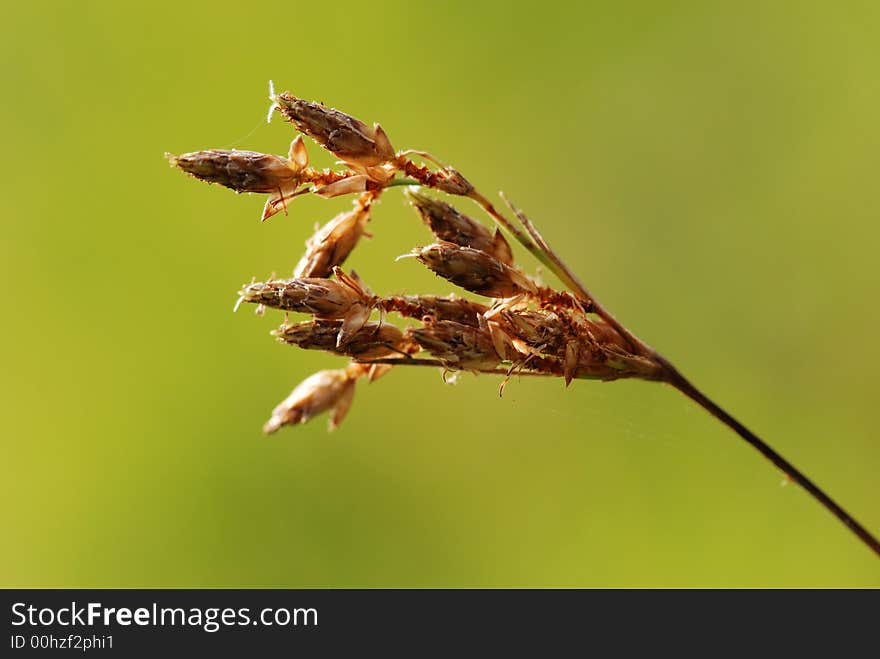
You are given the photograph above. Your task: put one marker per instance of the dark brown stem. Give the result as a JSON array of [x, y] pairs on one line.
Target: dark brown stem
[[681, 383]]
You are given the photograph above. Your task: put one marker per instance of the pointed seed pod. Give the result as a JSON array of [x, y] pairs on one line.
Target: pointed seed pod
[[371, 341], [351, 140], [450, 225], [438, 308], [245, 171], [474, 270], [333, 242], [325, 298], [460, 346], [322, 391], [452, 182]]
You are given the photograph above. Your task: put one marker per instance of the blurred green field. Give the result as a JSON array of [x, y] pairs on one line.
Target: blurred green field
[[708, 168]]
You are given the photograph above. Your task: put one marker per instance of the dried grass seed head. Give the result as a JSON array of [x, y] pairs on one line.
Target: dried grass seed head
[[351, 140], [325, 390], [245, 171], [448, 307], [325, 298], [333, 242], [449, 224], [462, 346], [475, 270], [371, 341]]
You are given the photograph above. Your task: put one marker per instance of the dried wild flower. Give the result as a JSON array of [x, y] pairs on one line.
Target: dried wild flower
[[522, 327]]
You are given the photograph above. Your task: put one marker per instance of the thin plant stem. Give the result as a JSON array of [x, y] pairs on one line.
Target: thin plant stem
[[681, 383]]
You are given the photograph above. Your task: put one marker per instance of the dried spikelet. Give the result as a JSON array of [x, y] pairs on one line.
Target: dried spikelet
[[245, 171], [474, 270], [325, 390], [450, 225], [451, 181], [325, 298], [463, 346], [351, 140], [545, 334], [333, 242], [372, 341], [541, 331], [343, 298], [450, 307]]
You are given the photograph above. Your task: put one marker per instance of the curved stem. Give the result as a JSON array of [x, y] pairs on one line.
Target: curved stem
[[677, 380]]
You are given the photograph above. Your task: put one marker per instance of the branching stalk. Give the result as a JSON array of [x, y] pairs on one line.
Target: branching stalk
[[524, 329]]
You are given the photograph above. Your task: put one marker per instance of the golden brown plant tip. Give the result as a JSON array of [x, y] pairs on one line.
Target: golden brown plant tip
[[324, 298], [436, 307], [474, 270], [333, 242], [320, 392], [242, 171], [448, 224], [370, 341], [351, 140], [462, 346]]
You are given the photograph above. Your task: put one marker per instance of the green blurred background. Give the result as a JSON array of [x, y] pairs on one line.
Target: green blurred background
[[709, 168]]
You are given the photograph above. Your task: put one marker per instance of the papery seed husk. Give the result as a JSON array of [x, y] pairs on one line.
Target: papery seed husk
[[326, 298], [348, 138], [371, 341], [459, 345], [242, 171], [322, 391], [449, 224], [474, 270], [448, 307], [333, 242]]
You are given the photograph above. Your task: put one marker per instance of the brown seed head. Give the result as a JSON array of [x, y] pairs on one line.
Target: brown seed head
[[325, 390], [333, 242], [450, 225], [542, 331], [242, 171], [325, 298], [371, 341], [461, 346], [438, 308], [349, 139], [474, 270]]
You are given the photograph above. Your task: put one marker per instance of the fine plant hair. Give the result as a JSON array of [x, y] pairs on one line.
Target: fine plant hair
[[522, 327]]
